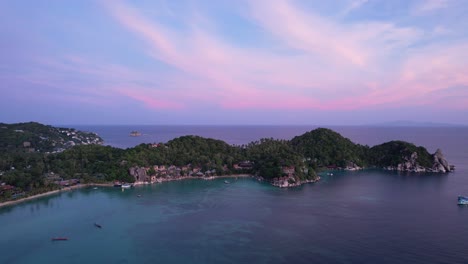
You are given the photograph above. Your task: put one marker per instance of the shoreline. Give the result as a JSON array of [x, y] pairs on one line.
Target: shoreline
[[181, 178], [36, 196], [110, 184]]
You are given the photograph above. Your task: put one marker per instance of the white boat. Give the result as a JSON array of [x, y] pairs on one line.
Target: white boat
[[462, 200], [126, 186], [226, 182]]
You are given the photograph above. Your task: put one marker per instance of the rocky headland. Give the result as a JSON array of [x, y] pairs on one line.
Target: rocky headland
[[411, 164]]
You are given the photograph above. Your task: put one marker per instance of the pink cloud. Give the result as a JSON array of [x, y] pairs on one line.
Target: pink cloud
[[340, 67], [152, 101], [230, 71], [310, 33]]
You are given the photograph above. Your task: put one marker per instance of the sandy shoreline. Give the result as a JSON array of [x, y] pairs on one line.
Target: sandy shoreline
[[13, 202], [79, 186]]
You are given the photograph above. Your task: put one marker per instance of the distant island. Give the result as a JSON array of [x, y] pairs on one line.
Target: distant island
[[408, 123], [36, 158], [135, 134]]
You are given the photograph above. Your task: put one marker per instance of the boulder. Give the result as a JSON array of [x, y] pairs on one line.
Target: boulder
[[411, 164], [440, 163], [139, 173]]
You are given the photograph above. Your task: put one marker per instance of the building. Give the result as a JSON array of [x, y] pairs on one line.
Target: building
[[288, 170]]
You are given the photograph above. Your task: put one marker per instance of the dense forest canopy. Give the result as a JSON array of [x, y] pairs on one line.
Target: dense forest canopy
[[394, 152], [326, 147]]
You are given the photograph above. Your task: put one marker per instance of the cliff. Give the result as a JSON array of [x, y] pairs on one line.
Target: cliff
[[440, 164]]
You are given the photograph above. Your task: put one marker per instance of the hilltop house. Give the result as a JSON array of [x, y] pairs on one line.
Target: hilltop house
[[288, 170], [243, 165]]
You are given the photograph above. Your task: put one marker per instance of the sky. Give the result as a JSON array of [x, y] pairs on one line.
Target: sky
[[230, 62]]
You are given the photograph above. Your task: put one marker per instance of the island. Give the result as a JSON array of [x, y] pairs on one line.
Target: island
[[36, 158], [135, 134]]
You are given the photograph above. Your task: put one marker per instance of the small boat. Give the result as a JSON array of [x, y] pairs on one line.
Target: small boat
[[462, 200], [97, 225], [139, 195], [226, 182], [126, 186], [117, 184], [59, 239], [95, 188]]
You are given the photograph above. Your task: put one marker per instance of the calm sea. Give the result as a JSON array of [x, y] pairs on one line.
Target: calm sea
[[369, 216]]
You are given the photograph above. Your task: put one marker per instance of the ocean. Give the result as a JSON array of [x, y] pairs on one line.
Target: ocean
[[369, 216]]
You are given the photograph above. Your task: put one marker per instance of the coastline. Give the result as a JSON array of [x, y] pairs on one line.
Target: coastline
[[180, 178], [67, 189], [110, 184]]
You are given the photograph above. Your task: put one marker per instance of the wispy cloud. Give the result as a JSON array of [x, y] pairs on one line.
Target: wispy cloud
[[216, 72], [150, 99], [296, 59], [429, 6], [353, 5], [232, 72]]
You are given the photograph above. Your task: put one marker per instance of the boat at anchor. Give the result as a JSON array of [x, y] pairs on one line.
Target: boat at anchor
[[59, 239], [126, 186], [462, 200]]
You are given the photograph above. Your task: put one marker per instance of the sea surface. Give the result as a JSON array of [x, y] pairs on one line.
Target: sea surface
[[369, 216]]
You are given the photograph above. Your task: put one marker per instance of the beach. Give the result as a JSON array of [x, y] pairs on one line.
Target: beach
[[110, 184], [66, 189]]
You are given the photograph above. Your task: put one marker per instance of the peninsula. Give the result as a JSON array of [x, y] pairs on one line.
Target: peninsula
[[36, 158]]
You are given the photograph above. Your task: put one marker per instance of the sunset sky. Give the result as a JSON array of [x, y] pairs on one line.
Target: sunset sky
[[334, 62]]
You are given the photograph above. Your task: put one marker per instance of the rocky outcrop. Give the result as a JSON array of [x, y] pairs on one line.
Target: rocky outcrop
[[440, 163], [411, 164], [139, 173], [290, 181], [351, 166]]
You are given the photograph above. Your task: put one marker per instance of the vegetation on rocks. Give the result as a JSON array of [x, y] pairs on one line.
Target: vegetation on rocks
[[395, 152]]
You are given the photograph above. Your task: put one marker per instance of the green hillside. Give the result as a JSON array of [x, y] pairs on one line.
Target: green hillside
[[395, 152], [36, 137], [325, 147]]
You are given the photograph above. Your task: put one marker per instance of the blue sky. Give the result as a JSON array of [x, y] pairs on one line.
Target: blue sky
[[338, 62]]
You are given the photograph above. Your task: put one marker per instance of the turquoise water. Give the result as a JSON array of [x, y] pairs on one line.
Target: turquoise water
[[368, 216], [358, 217]]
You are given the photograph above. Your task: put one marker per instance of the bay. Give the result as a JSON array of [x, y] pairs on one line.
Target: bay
[[369, 216]]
